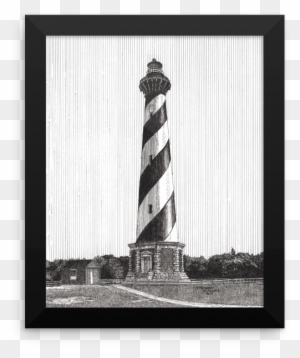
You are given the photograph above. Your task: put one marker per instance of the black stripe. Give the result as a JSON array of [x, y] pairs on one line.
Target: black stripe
[[154, 172], [149, 98], [156, 121], [161, 226]]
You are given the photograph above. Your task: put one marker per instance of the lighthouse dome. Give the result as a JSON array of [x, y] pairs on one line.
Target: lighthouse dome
[[154, 66]]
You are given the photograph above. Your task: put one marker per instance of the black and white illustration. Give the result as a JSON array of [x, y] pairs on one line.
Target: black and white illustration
[[154, 171]]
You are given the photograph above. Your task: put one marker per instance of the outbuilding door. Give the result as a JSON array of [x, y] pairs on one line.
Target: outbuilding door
[[92, 276]]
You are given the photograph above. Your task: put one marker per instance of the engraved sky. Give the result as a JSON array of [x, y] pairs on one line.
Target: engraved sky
[[94, 141]]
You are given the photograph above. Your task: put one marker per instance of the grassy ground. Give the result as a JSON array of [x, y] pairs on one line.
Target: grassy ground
[[97, 296], [246, 294]]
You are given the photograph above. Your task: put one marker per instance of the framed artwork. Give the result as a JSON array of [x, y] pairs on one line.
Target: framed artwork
[[154, 171]]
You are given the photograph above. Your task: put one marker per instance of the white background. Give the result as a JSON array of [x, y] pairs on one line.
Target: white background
[[15, 341]]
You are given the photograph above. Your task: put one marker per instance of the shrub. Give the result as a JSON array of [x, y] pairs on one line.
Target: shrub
[[113, 267]]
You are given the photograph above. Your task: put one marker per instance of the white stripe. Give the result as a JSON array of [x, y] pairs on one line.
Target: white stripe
[[157, 197], [154, 145], [153, 106], [173, 234]]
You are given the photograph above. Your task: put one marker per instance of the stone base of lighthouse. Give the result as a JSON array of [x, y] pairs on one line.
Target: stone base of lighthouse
[[156, 261]]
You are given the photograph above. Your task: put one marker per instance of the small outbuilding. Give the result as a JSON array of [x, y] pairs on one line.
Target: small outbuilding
[[81, 272]]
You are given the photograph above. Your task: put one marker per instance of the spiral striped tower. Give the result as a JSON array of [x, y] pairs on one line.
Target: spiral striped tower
[[156, 212], [156, 254]]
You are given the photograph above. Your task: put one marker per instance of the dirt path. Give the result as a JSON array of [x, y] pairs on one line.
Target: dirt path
[[181, 303]]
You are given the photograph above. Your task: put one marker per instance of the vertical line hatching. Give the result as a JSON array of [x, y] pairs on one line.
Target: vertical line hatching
[[94, 130]]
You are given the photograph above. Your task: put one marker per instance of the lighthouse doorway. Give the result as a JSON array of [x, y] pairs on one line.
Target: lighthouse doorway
[[146, 261], [146, 264]]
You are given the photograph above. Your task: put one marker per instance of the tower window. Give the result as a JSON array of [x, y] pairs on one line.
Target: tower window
[[150, 209], [150, 159], [151, 112]]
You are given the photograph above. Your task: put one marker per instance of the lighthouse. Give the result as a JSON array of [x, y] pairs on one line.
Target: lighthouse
[[156, 255]]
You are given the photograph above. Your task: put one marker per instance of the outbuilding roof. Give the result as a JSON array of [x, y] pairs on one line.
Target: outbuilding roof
[[77, 264]]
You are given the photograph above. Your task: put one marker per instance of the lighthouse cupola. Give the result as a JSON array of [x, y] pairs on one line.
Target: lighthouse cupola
[[155, 82]]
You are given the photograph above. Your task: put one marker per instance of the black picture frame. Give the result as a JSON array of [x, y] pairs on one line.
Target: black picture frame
[[37, 27]]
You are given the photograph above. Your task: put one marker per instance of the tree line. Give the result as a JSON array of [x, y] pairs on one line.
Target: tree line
[[228, 265], [240, 265]]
